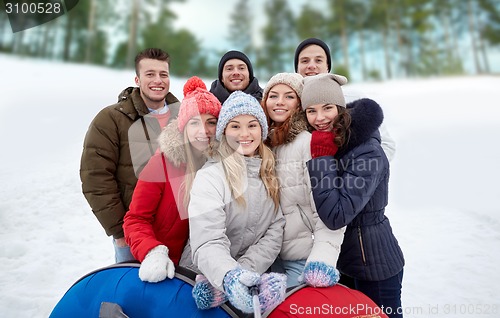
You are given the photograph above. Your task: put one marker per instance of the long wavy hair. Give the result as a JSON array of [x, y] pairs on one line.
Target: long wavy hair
[[341, 125], [234, 167], [193, 164], [278, 134]]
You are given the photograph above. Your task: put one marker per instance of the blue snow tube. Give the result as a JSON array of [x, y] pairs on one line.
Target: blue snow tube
[[117, 291]]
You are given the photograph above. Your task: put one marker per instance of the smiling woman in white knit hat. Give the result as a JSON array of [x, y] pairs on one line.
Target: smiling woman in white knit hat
[[349, 175], [236, 225], [309, 247]]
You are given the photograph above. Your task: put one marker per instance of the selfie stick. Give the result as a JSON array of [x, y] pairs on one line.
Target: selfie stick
[[256, 303]]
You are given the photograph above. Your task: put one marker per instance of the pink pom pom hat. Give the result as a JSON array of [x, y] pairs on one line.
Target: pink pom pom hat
[[197, 100]]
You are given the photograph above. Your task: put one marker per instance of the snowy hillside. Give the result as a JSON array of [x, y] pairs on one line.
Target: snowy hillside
[[443, 200]]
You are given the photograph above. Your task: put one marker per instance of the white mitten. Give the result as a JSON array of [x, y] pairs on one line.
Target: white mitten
[[157, 266]]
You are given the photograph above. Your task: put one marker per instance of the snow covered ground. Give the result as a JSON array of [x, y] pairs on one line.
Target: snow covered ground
[[443, 200]]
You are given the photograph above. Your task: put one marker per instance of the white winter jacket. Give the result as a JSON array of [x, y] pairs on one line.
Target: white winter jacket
[[387, 142], [305, 235], [224, 233]]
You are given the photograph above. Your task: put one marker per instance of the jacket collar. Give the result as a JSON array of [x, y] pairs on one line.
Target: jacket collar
[[298, 124], [221, 92], [137, 107]]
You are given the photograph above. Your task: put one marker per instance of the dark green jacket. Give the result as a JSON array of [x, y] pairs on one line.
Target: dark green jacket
[[107, 170]]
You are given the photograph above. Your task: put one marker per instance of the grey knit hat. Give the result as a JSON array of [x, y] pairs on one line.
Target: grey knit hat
[[239, 103], [294, 80], [323, 89]]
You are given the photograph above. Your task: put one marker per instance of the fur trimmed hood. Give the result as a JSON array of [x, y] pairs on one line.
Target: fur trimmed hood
[[298, 125], [366, 118], [171, 143]]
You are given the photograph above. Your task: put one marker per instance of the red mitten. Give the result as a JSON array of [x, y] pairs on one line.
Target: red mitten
[[322, 144]]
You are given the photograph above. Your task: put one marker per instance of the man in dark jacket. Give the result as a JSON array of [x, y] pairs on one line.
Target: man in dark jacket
[[235, 74], [120, 141]]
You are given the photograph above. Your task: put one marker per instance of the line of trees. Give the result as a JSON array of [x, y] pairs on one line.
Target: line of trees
[[375, 38], [386, 38], [108, 33]]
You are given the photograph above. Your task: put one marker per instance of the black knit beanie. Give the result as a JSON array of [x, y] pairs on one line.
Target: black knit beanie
[[235, 55], [308, 42]]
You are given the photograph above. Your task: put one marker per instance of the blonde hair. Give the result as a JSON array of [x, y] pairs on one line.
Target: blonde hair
[[192, 166], [234, 166]]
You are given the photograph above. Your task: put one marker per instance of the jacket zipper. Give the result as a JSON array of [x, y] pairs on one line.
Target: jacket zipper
[[304, 219], [360, 237]]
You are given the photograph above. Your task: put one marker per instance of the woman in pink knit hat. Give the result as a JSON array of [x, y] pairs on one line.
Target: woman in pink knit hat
[[156, 226]]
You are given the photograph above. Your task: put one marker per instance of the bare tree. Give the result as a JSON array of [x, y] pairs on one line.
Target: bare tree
[[132, 36], [90, 32], [473, 32], [240, 29]]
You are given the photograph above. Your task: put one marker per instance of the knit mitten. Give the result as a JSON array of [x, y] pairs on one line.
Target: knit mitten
[[207, 296], [272, 289], [322, 144], [236, 284], [157, 266], [319, 274]]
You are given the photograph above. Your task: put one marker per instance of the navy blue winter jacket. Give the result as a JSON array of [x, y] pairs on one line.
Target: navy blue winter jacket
[[352, 189]]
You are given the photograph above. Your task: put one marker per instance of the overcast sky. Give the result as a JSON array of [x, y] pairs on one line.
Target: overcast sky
[[209, 19]]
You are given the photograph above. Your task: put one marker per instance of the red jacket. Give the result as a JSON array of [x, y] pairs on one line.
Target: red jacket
[[157, 216]]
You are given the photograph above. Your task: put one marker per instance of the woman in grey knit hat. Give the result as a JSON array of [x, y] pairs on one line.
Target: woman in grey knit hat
[[312, 57], [349, 175]]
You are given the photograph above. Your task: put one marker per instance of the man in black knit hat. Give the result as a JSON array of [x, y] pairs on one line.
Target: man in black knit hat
[[235, 74], [312, 57]]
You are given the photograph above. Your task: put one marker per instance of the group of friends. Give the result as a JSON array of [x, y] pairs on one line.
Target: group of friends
[[249, 187]]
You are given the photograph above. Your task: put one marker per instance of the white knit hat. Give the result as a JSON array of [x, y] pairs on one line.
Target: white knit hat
[[323, 89], [293, 80], [239, 103]]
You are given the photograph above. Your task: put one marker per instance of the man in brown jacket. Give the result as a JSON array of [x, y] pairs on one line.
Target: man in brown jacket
[[120, 141]]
